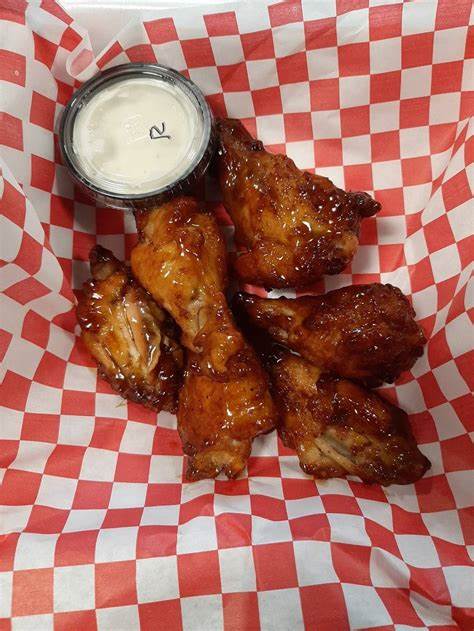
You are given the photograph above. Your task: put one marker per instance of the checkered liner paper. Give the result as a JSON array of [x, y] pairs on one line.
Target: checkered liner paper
[[99, 530]]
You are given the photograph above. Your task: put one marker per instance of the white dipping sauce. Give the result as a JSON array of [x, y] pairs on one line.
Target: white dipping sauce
[[137, 135]]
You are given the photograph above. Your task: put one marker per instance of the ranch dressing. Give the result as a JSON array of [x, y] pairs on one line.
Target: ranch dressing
[[137, 135]]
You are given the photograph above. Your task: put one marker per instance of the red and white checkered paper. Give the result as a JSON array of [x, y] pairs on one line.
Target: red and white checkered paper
[[98, 528]]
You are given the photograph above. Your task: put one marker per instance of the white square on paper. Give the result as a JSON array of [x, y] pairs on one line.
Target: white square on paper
[[444, 108], [414, 142], [74, 588], [56, 492], [387, 570], [425, 302], [444, 525], [98, 465], [239, 104], [32, 456], [288, 39], [262, 73], [267, 486], [366, 260], [170, 54], [410, 397], [384, 116], [302, 153], [80, 378], [14, 518], [202, 612], [271, 129], [22, 357], [33, 623], [431, 613], [323, 63], [197, 535], [387, 174], [86, 519], [118, 618], [364, 606], [167, 515], [110, 406], [43, 399], [314, 563], [60, 343], [317, 10], [450, 381], [380, 512], [11, 425], [116, 544], [157, 579], [266, 531], [415, 247], [227, 49], [280, 610], [391, 229], [385, 55], [295, 97], [6, 584], [137, 438], [449, 44], [354, 91], [458, 331], [415, 82], [445, 263], [128, 495], [304, 507], [348, 529], [448, 424], [35, 550], [237, 570], [75, 430], [356, 150], [418, 550], [418, 18], [61, 241], [326, 124], [166, 469], [231, 504], [461, 484]]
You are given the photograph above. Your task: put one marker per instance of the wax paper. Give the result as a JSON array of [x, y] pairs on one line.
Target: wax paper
[[98, 528]]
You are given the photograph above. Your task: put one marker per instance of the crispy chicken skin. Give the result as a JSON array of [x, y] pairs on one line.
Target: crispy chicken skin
[[293, 226], [339, 428], [225, 400], [129, 336], [364, 332]]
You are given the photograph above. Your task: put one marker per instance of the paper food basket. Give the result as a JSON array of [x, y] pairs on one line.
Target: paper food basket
[[98, 529]]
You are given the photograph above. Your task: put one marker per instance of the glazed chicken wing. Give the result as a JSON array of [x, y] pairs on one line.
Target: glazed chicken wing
[[364, 332], [293, 226], [339, 428], [130, 337], [225, 401]]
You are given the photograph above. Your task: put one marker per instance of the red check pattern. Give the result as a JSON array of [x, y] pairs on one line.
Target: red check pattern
[[98, 529]]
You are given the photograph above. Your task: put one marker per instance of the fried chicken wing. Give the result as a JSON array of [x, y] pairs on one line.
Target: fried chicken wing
[[294, 226], [129, 336], [339, 428], [364, 332], [225, 401]]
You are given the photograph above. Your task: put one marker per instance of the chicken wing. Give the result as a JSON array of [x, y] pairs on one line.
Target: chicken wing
[[364, 332], [225, 401], [293, 226], [129, 336], [339, 428]]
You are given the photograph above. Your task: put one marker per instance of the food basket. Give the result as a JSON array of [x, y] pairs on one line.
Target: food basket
[[98, 527]]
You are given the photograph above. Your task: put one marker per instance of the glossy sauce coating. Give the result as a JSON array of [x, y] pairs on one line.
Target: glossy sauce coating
[[293, 226], [339, 428], [364, 332], [225, 400], [130, 337]]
